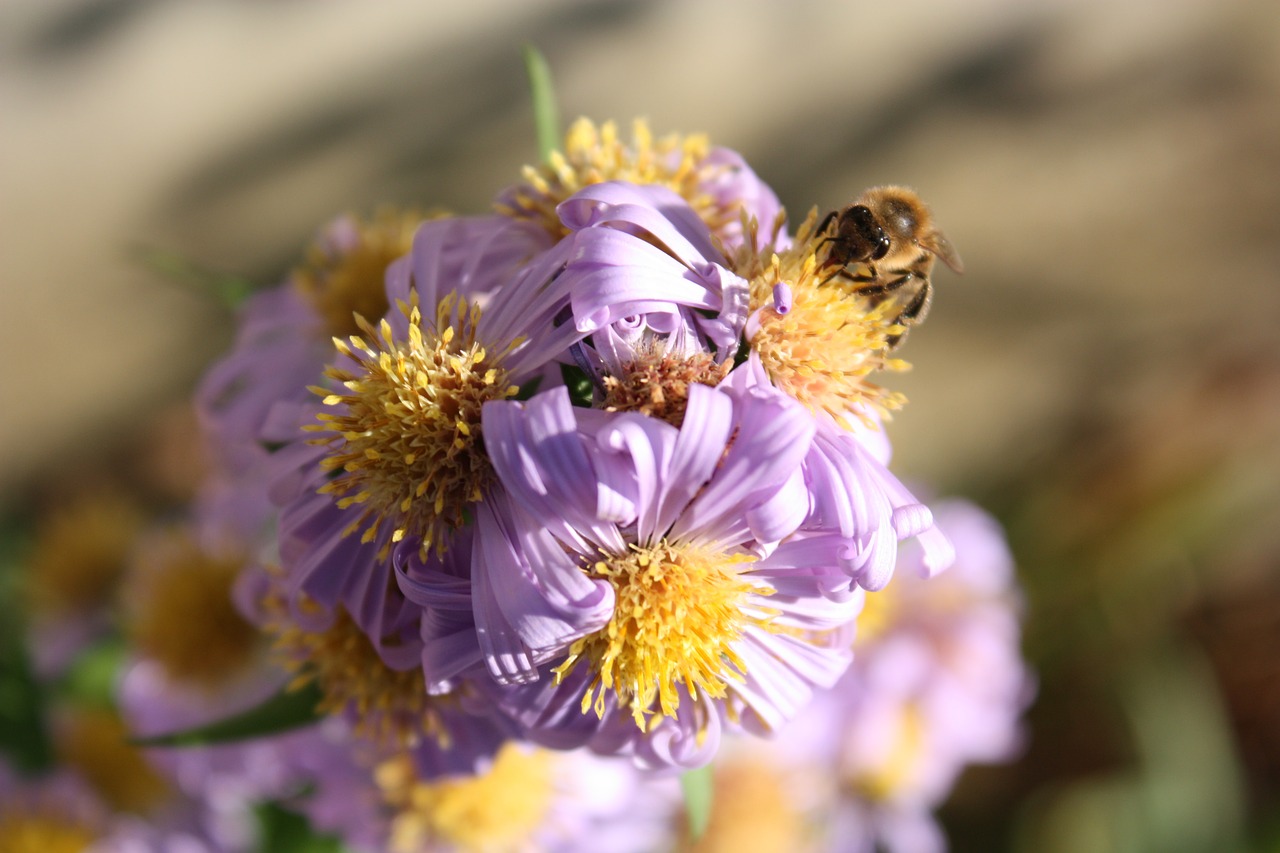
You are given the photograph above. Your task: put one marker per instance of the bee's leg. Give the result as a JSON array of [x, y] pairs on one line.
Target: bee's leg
[[918, 308], [857, 278], [885, 288]]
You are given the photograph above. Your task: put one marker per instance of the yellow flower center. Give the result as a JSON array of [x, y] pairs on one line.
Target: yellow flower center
[[593, 155], [657, 384], [408, 436], [898, 768], [493, 812], [823, 349], [678, 614], [341, 282], [93, 741], [184, 617], [80, 553], [43, 833], [391, 706], [752, 809]]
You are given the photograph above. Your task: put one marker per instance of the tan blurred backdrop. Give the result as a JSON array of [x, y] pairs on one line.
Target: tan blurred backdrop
[[1105, 376], [1109, 171]]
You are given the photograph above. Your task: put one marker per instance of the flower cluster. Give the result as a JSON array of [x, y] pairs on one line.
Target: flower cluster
[[609, 466], [536, 508]]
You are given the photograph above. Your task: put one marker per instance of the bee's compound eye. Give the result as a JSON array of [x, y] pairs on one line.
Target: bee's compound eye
[[882, 248]]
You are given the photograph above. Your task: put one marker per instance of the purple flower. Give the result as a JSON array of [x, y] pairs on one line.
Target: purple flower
[[401, 431], [648, 565], [716, 183], [937, 683]]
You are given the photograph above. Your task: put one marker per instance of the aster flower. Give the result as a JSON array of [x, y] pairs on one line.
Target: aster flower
[[716, 182], [72, 575], [523, 799], [55, 814], [282, 341], [937, 684], [396, 450], [643, 563]]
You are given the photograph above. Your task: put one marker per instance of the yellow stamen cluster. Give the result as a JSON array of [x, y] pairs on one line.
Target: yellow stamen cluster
[[80, 553], [343, 281], [391, 706], [899, 767], [678, 614], [183, 615], [495, 811], [94, 741], [408, 447], [593, 155], [657, 384], [25, 832], [821, 351], [753, 809]]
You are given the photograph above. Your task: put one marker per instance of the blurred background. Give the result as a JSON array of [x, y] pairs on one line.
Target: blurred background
[[1105, 377]]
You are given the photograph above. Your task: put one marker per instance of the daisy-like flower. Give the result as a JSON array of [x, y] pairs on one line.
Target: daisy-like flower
[[642, 564], [282, 342], [57, 814], [815, 337], [715, 182], [396, 449], [939, 682], [81, 551], [522, 799]]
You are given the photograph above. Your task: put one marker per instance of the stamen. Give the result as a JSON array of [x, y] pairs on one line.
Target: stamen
[[825, 345], [390, 707], [593, 155], [406, 439], [678, 615]]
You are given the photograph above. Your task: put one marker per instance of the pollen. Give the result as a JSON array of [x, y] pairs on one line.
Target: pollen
[[80, 553], [405, 439], [494, 811], [94, 741], [390, 707], [822, 346], [657, 384], [593, 155], [183, 615], [678, 615], [343, 271]]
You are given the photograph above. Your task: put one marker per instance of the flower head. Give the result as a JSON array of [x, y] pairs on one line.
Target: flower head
[[715, 182], [643, 562]]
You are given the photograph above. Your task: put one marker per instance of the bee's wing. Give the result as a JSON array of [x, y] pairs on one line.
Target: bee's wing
[[937, 243]]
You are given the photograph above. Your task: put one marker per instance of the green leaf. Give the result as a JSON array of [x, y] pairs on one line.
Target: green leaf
[[697, 788], [288, 709], [92, 678], [24, 737], [529, 388], [230, 290], [282, 830], [579, 384], [546, 117]]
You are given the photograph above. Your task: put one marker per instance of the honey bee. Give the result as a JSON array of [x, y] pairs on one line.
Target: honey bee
[[888, 232]]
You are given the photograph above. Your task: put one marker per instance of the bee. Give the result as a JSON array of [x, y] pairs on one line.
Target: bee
[[888, 233]]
